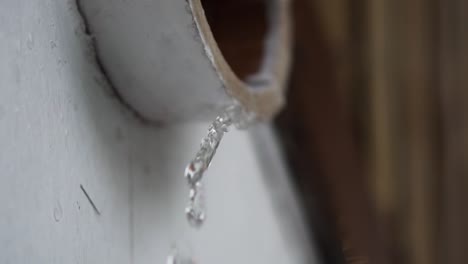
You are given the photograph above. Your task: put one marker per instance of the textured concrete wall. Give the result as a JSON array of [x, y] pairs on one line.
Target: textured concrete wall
[[61, 127]]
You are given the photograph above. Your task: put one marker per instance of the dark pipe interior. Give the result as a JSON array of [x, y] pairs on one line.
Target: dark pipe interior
[[239, 27]]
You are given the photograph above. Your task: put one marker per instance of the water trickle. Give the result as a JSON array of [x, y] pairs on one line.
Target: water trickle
[[233, 115], [194, 171]]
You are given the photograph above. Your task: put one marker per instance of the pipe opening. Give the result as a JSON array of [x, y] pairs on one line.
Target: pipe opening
[[240, 28]]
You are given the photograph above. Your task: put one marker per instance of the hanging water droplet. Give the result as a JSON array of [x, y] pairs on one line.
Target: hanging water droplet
[[195, 210], [195, 217]]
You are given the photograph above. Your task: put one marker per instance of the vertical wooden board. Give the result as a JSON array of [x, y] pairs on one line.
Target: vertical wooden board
[[382, 119], [422, 123], [454, 96]]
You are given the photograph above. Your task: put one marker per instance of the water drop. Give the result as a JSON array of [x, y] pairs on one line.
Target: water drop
[[195, 211]]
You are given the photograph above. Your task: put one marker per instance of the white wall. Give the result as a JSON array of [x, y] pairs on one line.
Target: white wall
[[61, 127]]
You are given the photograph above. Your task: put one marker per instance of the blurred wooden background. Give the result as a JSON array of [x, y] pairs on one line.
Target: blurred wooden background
[[376, 128]]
